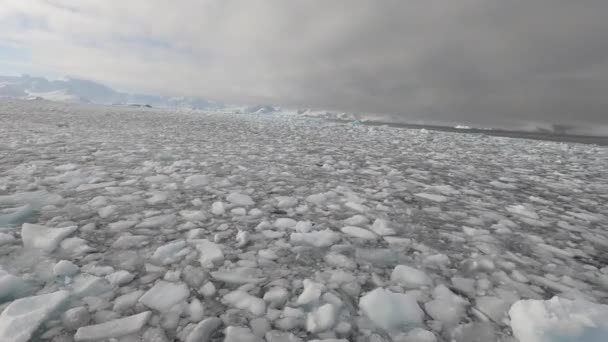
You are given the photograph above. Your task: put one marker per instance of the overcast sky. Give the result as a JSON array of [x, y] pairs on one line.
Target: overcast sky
[[470, 61]]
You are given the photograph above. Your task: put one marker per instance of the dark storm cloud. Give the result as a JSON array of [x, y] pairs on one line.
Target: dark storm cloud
[[474, 61]]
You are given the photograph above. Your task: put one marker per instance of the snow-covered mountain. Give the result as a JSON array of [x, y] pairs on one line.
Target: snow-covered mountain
[[79, 90]]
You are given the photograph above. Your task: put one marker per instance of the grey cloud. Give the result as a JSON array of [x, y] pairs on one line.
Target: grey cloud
[[472, 61]]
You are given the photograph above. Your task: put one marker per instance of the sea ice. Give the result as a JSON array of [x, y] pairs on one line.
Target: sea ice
[[196, 180], [65, 268], [114, 328], [446, 307], [558, 320], [391, 311], [382, 227], [410, 277], [321, 319], [359, 233], [320, 238], [209, 253], [44, 238], [244, 301], [163, 295], [168, 253], [22, 317], [285, 223], [240, 199], [311, 293]]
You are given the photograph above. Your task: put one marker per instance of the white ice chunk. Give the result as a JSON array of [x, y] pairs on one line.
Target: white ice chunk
[[209, 253], [339, 260], [127, 300], [240, 199], [120, 278], [321, 238], [432, 197], [218, 208], [196, 181], [160, 221], [6, 238], [321, 319], [114, 328], [121, 225], [311, 293], [303, 226], [196, 310], [76, 246], [44, 238], [558, 320], [242, 238], [193, 215], [89, 285], [382, 227], [129, 241], [285, 223], [409, 277], [157, 179], [359, 233], [286, 202], [11, 286], [169, 253], [446, 307], [391, 311], [418, 335], [244, 301], [163, 295], [203, 330], [357, 220], [22, 317], [240, 334], [521, 210], [238, 275], [356, 206], [157, 198], [65, 268], [276, 296], [106, 212]]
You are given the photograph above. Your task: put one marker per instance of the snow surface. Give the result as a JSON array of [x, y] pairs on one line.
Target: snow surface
[[163, 226]]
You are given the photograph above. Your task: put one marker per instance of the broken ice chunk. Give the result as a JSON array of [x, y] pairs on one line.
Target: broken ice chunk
[[196, 181], [203, 330], [311, 293], [240, 199], [559, 319], [209, 253], [240, 334], [391, 311], [160, 221], [432, 197], [114, 328], [285, 223], [321, 319], [65, 268], [44, 238], [22, 317], [169, 253], [409, 277], [446, 307], [244, 301], [239, 275], [286, 202], [359, 233], [382, 227], [321, 238], [163, 295]]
